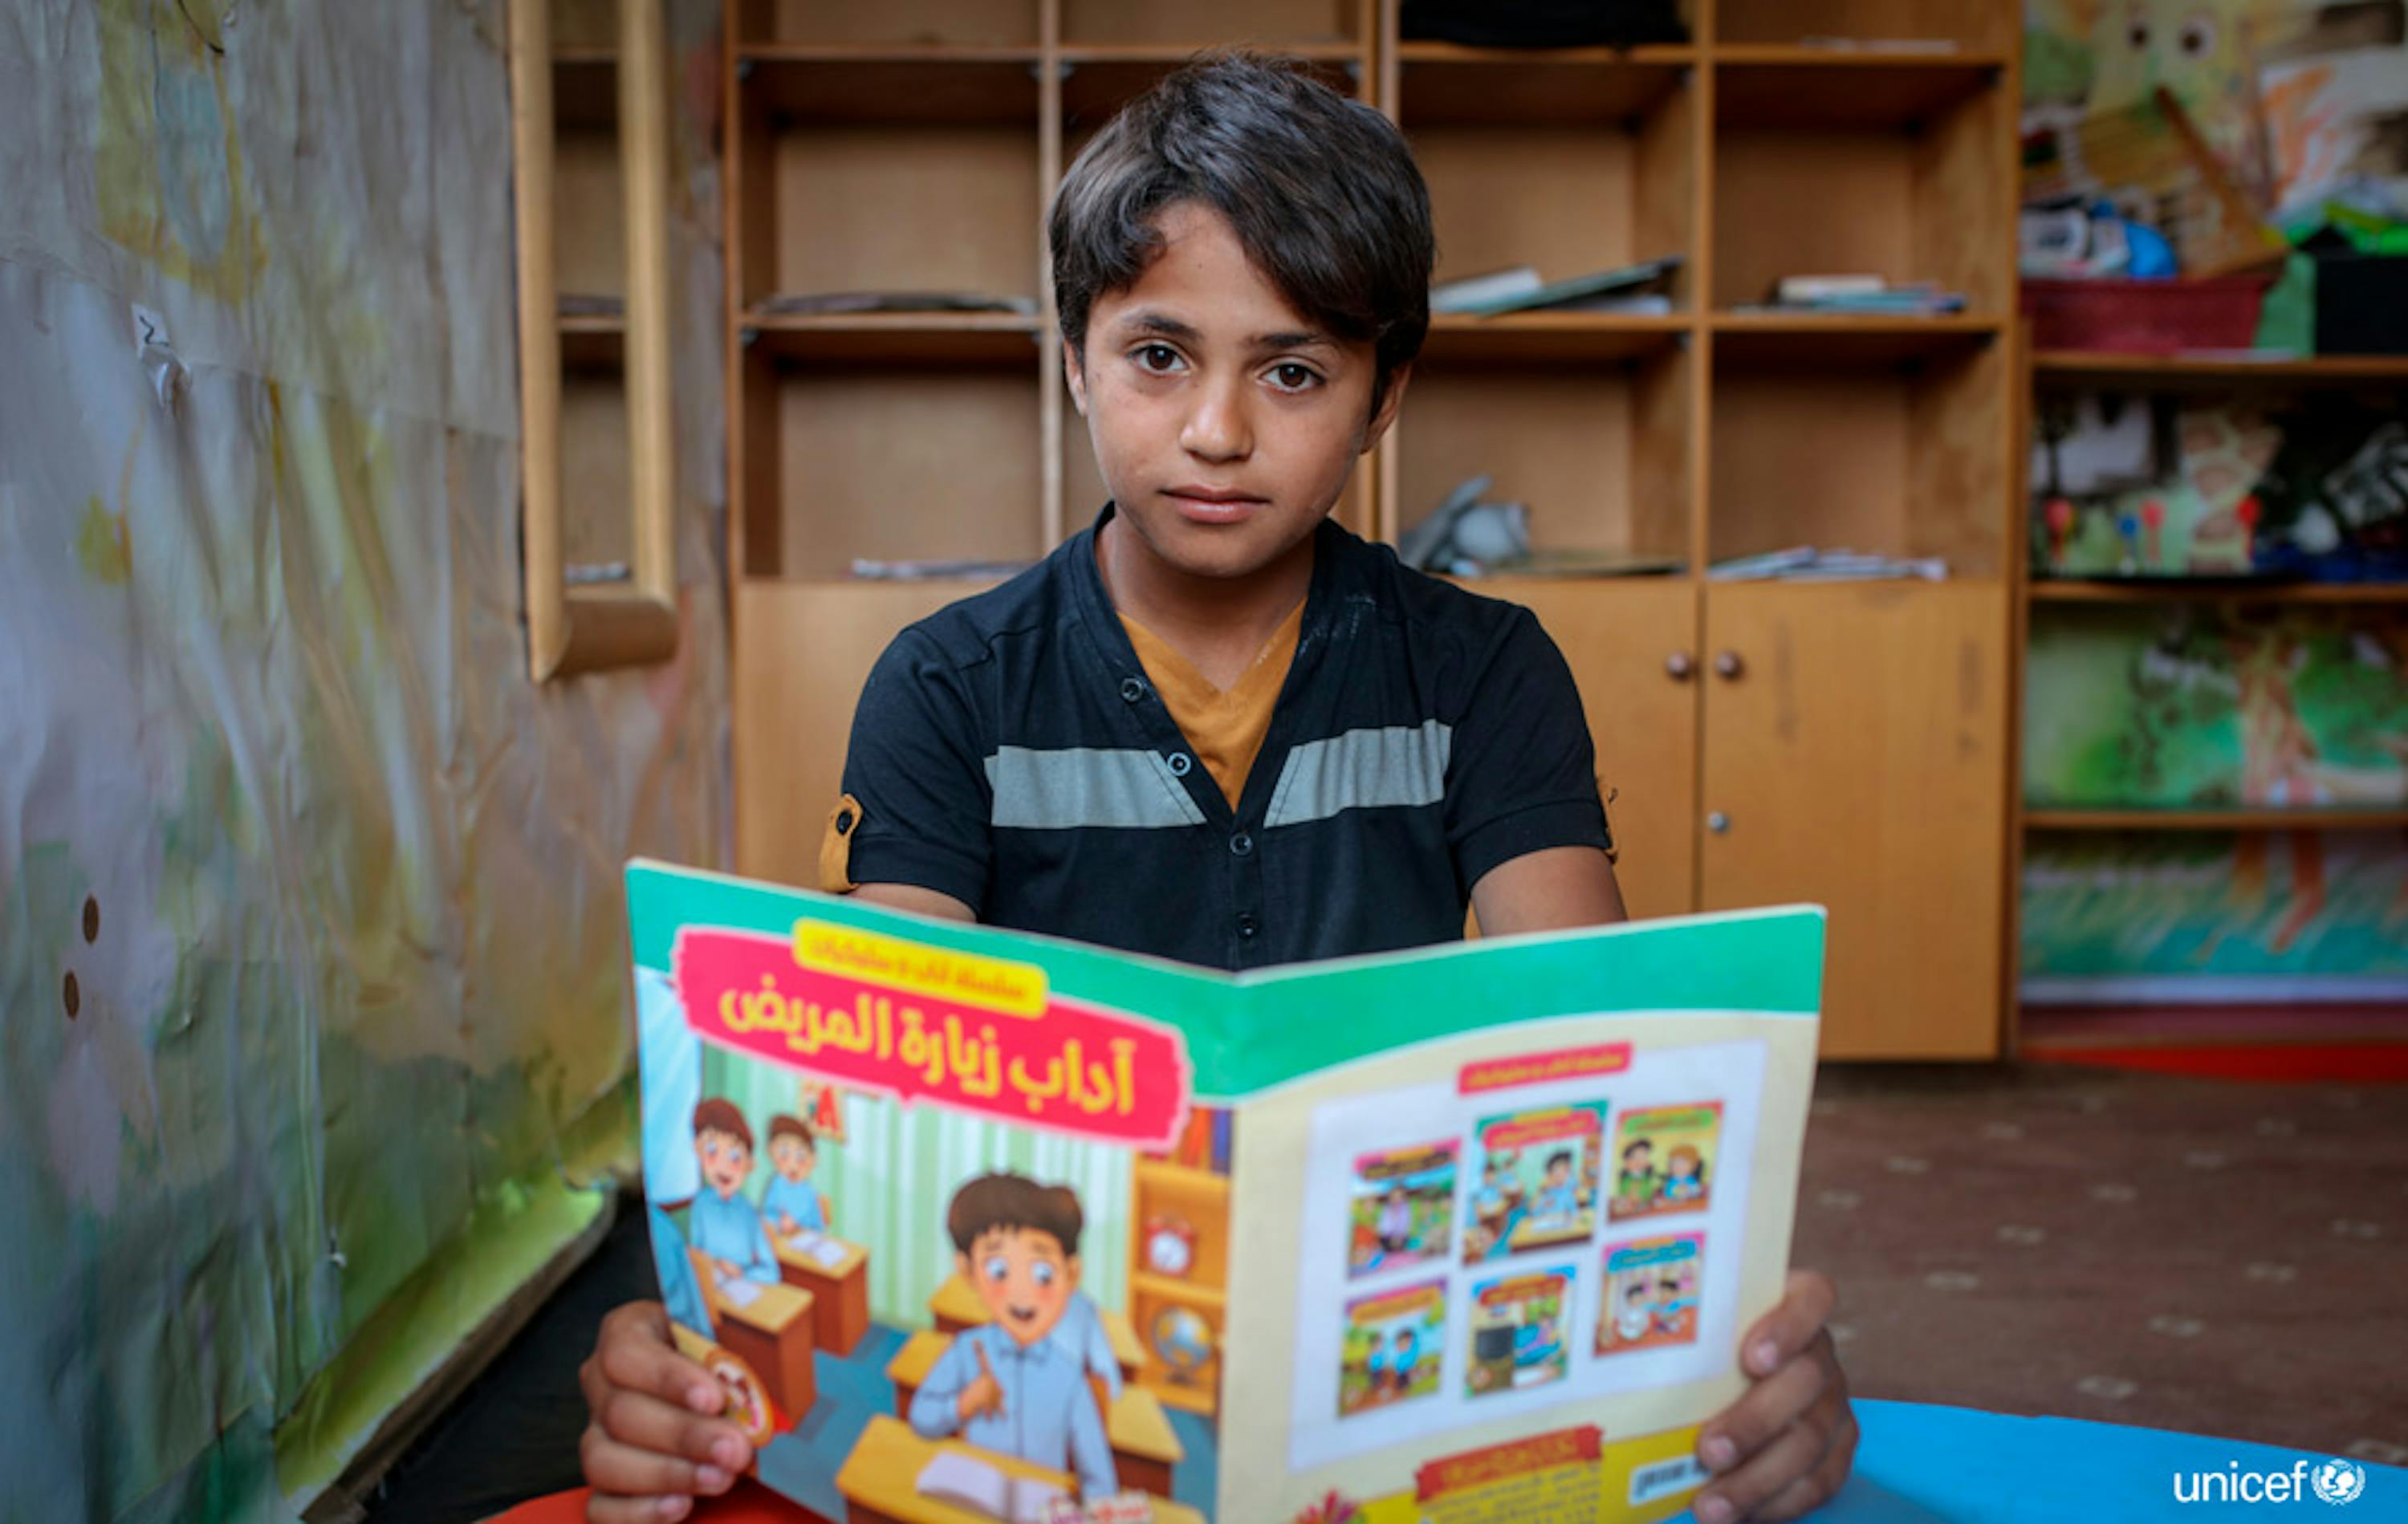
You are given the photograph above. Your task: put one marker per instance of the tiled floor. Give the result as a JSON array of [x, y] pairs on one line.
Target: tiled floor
[[2227, 1258]]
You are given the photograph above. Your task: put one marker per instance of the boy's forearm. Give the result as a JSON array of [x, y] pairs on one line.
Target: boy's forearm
[[911, 897], [1557, 889]]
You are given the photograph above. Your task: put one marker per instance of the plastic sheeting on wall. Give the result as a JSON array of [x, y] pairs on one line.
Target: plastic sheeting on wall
[[310, 936]]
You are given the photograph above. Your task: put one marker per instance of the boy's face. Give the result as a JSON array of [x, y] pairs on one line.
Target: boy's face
[[725, 1161], [1559, 1171], [1634, 1158], [1024, 1279], [1225, 422], [792, 1157]]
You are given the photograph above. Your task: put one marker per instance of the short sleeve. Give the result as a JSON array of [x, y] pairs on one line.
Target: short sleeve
[[1521, 773], [914, 767]]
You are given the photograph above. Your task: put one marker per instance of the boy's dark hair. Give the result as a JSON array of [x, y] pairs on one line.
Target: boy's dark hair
[[1634, 1145], [793, 1127], [1561, 1156], [1013, 1203], [1322, 191], [717, 1115]]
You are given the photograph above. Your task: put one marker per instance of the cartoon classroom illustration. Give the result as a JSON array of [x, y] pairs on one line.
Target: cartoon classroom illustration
[[1021, 1363]]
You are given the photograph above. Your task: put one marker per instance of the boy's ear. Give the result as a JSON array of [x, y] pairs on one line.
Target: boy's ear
[[1386, 413], [1075, 372], [1071, 1265]]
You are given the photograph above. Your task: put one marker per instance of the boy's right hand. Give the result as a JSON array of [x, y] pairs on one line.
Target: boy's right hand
[[654, 1438], [982, 1395]]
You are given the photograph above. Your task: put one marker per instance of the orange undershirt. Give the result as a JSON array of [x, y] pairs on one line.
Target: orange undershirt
[[1225, 728]]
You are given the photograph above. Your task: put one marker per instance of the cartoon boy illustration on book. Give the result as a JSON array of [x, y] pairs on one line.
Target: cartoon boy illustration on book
[[1639, 1179], [1557, 1201], [1008, 1384], [1684, 1175], [724, 1224], [790, 1202]]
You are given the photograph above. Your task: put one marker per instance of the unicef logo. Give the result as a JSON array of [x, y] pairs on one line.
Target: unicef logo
[[2339, 1481]]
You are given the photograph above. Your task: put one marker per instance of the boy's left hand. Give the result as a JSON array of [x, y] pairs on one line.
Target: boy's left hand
[[1785, 1447]]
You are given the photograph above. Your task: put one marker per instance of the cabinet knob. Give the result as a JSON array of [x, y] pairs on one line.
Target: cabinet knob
[[1728, 665], [1679, 666], [1718, 822]]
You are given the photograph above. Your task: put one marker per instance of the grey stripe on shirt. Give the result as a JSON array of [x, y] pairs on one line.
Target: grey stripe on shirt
[[1081, 787], [1362, 769]]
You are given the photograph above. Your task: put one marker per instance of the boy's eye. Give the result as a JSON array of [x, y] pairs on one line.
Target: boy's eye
[[1041, 1272], [1292, 376], [1160, 359], [998, 1268]]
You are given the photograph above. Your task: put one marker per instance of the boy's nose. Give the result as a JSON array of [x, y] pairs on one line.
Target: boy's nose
[[1217, 429]]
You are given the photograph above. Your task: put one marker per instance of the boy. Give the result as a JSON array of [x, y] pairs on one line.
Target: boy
[[1006, 1385], [790, 1201], [724, 1224], [1215, 726]]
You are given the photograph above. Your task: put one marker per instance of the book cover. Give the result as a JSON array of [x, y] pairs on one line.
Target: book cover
[[975, 1225]]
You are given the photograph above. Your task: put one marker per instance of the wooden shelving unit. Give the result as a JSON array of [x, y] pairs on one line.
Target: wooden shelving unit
[[885, 146], [2087, 368], [2072, 370]]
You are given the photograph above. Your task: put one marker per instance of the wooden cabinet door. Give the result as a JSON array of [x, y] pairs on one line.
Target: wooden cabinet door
[[1622, 639], [803, 651], [1857, 759]]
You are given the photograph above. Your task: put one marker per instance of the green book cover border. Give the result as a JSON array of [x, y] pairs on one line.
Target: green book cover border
[[1250, 1031]]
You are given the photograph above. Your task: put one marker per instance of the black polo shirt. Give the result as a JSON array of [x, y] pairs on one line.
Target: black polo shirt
[[1008, 752]]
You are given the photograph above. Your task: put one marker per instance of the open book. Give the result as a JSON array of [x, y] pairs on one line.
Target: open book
[[967, 1482], [1437, 1232]]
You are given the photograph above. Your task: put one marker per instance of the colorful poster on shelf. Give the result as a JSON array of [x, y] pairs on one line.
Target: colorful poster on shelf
[[949, 1212], [2296, 98], [2209, 709]]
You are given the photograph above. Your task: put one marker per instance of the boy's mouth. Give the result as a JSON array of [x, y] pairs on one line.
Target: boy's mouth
[[1020, 1315], [1213, 505]]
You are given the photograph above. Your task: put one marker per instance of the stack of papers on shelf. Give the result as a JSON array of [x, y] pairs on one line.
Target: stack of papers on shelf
[[1861, 294], [1909, 47], [1805, 563], [1634, 289]]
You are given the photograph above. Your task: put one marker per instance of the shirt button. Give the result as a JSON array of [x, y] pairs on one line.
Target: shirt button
[[1241, 845], [1248, 925], [1179, 763], [1132, 690]]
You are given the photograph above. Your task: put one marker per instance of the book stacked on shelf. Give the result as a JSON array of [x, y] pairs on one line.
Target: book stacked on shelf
[[1633, 291], [1859, 295], [1807, 564]]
